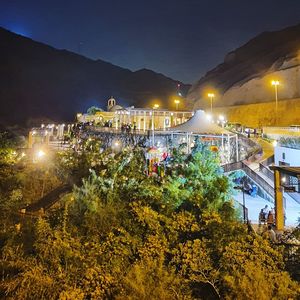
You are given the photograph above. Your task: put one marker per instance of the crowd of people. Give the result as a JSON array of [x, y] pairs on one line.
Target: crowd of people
[[267, 218]]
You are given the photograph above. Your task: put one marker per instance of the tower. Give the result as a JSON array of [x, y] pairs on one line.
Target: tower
[[111, 103]]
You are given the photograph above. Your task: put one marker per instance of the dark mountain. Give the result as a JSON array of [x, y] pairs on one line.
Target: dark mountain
[[244, 75], [38, 81]]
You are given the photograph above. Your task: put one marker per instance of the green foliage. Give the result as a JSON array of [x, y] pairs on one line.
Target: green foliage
[[93, 110]]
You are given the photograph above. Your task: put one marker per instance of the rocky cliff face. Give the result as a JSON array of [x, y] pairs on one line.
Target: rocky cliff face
[[246, 73], [38, 81]]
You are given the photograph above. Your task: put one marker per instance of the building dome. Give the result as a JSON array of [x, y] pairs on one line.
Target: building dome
[[115, 108]]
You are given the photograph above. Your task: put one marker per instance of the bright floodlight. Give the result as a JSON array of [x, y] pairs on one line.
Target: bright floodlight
[[116, 145], [209, 117], [156, 106], [41, 154], [210, 95], [275, 82], [177, 101], [221, 118], [274, 143], [283, 179]]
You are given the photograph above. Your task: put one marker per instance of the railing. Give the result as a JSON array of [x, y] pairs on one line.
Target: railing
[[290, 128], [295, 196], [253, 175], [277, 132], [266, 171], [232, 166], [259, 180], [268, 161]]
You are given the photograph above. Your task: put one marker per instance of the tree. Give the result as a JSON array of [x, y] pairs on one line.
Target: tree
[[122, 234], [93, 110]]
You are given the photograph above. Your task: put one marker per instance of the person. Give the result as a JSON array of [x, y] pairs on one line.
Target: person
[[272, 234], [261, 217], [247, 187], [265, 210], [270, 218], [253, 191]]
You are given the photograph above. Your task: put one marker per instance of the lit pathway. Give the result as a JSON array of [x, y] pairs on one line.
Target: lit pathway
[[255, 204], [268, 149]]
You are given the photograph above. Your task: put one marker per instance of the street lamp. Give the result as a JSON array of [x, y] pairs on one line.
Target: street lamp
[[241, 187], [222, 120], [211, 97], [209, 117], [177, 103], [40, 154], [275, 83]]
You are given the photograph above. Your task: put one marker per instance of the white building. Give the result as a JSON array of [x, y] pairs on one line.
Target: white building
[[285, 156], [142, 118]]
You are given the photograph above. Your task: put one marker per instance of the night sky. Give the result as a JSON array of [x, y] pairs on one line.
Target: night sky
[[181, 39]]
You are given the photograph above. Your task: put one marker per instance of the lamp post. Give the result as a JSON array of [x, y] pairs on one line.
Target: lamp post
[[222, 120], [241, 187], [177, 103], [211, 97], [275, 83]]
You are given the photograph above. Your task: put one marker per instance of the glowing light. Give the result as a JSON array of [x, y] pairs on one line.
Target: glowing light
[[283, 179], [40, 154], [209, 117], [275, 82], [116, 145], [23, 154], [274, 143], [156, 106], [211, 96], [221, 118]]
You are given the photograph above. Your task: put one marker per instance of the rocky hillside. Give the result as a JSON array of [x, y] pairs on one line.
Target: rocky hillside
[[246, 73], [40, 82]]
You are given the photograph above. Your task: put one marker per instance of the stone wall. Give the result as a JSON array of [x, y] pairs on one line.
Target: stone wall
[[262, 114]]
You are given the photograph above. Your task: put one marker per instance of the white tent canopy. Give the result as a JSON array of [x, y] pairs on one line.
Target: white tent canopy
[[199, 123]]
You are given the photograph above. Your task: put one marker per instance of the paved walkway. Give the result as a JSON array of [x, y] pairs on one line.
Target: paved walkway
[[255, 204], [268, 149]]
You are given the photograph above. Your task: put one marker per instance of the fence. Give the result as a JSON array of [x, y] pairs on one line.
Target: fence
[[254, 176]]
